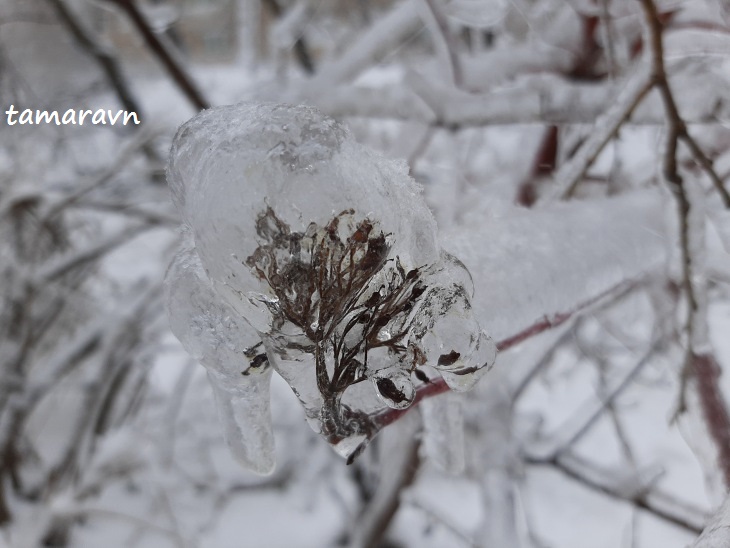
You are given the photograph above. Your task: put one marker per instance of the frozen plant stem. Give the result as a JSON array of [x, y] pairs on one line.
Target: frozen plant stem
[[702, 366], [362, 312], [337, 299]]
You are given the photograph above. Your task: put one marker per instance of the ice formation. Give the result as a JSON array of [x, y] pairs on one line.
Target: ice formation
[[232, 352], [326, 254]]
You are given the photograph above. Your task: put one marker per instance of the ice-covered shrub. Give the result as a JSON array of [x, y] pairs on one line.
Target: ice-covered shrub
[[307, 253]]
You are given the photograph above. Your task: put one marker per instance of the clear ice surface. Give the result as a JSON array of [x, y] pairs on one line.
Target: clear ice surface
[[330, 253]]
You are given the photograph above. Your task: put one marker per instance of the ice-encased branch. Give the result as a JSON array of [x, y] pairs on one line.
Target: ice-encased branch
[[369, 293]]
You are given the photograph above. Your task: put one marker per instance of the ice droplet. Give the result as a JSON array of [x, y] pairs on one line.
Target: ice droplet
[[473, 368], [394, 387]]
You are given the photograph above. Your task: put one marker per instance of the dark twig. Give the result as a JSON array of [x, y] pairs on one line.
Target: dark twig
[[606, 127], [107, 62], [178, 74], [703, 367], [589, 418], [372, 525], [676, 126], [301, 49], [608, 482]]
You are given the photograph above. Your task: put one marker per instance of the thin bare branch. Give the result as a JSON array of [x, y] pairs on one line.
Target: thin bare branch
[[702, 366], [571, 173], [629, 489], [301, 49], [588, 418], [105, 59], [78, 258], [160, 50], [706, 164], [401, 469]]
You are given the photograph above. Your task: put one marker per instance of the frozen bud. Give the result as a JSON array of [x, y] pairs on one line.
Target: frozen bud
[[465, 372], [394, 387]]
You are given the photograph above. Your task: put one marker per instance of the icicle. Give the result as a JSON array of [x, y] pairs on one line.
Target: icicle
[[243, 410], [231, 351], [443, 432]]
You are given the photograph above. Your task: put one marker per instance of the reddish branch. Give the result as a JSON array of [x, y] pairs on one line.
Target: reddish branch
[[707, 373], [439, 386], [702, 366], [603, 480]]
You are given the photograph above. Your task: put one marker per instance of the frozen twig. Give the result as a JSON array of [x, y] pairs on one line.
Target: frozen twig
[[301, 49], [444, 39], [81, 511], [435, 516], [160, 50], [543, 362], [628, 489], [707, 372], [532, 100], [78, 258], [143, 214], [677, 127], [613, 413], [706, 164], [107, 62], [589, 418], [402, 465], [701, 365], [382, 37], [717, 532], [53, 208], [570, 174]]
